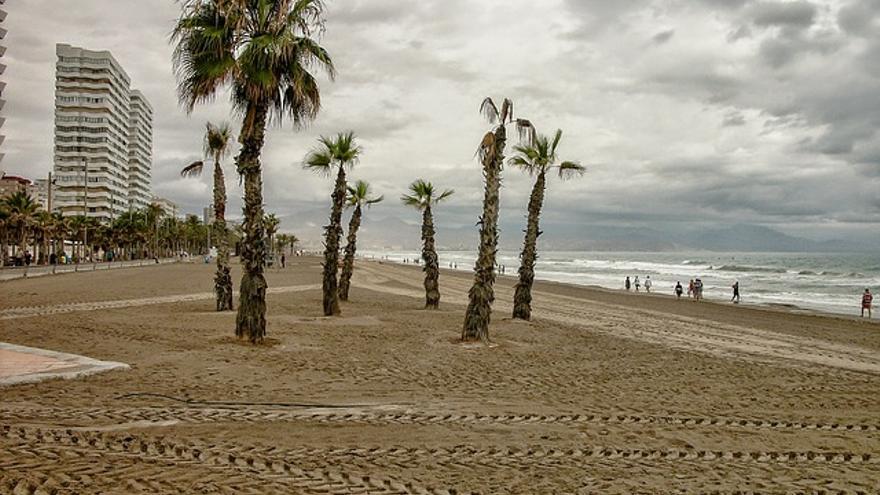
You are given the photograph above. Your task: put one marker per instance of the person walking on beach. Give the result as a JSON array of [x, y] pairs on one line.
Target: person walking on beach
[[735, 298], [283, 261], [678, 290], [627, 284], [698, 289], [637, 283], [648, 283], [867, 299], [691, 289]]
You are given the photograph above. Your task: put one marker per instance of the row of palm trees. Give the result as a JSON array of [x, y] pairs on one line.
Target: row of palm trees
[[135, 234], [264, 52]]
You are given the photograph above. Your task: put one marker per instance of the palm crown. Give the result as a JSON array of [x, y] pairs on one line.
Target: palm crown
[[262, 48], [341, 150], [217, 139], [359, 195], [539, 156], [422, 195]]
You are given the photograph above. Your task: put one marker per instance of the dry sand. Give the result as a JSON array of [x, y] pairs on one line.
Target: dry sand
[[603, 392]]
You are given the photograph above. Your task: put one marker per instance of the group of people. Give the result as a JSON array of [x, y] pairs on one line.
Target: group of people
[[637, 284], [695, 290]]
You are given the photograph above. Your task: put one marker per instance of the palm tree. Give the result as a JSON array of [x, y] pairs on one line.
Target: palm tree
[[535, 159], [491, 155], [341, 152], [422, 197], [216, 147], [271, 222], [22, 210], [264, 50], [358, 197]]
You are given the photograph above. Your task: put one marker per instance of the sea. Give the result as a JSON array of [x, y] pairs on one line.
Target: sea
[[827, 282]]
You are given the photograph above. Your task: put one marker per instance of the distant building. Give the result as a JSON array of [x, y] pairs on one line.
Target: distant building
[[168, 207], [41, 192], [208, 215], [10, 184], [103, 136]]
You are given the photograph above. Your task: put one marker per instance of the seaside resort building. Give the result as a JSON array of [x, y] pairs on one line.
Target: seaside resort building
[[103, 137]]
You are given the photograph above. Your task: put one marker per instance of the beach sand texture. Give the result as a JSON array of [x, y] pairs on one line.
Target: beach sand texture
[[604, 392]]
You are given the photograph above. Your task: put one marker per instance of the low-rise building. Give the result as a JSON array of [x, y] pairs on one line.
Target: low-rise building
[[168, 207]]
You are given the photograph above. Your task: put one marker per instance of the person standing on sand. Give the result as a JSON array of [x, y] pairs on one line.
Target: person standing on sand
[[735, 298], [648, 283], [867, 299], [691, 289], [283, 261], [626, 283], [637, 283], [678, 290], [698, 289]]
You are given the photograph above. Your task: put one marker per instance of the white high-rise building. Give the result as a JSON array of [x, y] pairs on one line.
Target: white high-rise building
[[103, 136], [140, 151]]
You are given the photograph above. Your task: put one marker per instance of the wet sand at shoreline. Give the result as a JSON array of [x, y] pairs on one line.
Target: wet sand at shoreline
[[603, 392]]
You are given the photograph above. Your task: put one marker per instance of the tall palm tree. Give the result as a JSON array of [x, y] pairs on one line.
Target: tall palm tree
[[154, 213], [536, 159], [22, 210], [216, 147], [358, 197], [264, 50], [341, 152], [491, 155], [422, 196]]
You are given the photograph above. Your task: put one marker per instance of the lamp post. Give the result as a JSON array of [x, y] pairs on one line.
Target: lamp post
[[86, 205]]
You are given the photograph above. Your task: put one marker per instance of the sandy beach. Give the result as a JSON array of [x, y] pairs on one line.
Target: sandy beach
[[604, 392]]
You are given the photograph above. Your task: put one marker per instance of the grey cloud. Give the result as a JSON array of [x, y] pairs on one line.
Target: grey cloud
[[733, 119], [663, 36], [798, 14], [860, 17]]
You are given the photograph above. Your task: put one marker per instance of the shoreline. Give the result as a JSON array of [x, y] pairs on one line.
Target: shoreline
[[781, 308]]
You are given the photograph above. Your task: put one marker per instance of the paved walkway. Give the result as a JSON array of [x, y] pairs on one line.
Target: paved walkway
[[20, 364]]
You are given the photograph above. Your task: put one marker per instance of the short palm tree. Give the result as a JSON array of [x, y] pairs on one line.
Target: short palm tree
[[216, 147], [491, 155], [536, 159], [21, 209], [341, 152], [263, 50], [423, 196], [271, 221], [358, 197]]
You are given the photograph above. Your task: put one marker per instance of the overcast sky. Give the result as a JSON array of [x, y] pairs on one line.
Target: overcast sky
[[705, 111]]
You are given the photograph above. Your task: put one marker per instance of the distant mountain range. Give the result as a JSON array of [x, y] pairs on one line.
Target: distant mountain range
[[394, 233]]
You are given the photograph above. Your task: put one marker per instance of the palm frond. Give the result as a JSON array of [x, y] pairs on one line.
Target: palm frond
[[569, 169], [444, 195], [489, 110], [194, 169], [526, 131]]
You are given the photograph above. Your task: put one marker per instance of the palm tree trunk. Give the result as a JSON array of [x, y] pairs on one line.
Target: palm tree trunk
[[350, 249], [429, 255], [223, 278], [482, 293], [331, 247], [251, 318], [522, 298]]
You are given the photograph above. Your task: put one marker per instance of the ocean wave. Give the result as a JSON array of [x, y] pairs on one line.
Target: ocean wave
[[694, 262], [746, 268]]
